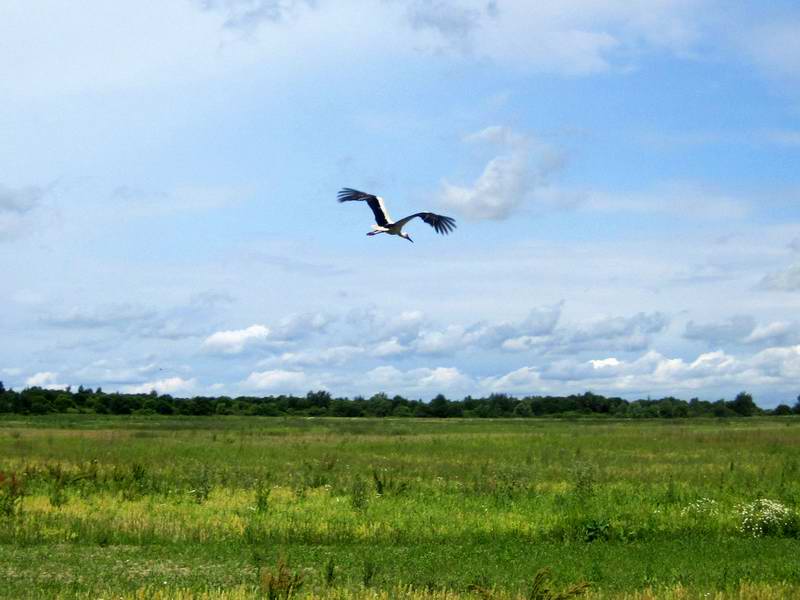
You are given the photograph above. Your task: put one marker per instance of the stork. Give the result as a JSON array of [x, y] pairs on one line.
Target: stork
[[384, 223]]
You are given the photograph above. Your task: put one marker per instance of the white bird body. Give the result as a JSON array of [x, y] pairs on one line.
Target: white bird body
[[385, 224]]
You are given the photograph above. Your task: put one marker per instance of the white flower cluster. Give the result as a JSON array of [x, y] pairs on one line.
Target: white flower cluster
[[763, 517], [702, 507]]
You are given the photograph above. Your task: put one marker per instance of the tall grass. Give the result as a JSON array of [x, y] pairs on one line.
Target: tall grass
[[370, 506]]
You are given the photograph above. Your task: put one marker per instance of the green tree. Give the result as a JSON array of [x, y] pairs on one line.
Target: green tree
[[439, 407], [743, 405]]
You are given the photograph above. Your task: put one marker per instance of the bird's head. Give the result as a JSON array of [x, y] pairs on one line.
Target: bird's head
[[406, 236]]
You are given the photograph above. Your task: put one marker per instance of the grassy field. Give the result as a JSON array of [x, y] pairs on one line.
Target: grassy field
[[152, 507]]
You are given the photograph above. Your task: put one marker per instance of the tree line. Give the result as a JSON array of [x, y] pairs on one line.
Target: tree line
[[40, 401]]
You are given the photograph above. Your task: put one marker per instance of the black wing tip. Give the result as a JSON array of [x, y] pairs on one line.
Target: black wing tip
[[443, 225], [348, 194]]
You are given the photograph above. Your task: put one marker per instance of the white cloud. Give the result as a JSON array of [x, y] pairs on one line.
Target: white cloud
[[444, 378], [509, 335], [443, 341], [522, 380], [45, 379], [776, 333], [172, 323], [787, 280], [390, 347], [168, 385], [655, 373], [114, 371], [280, 381], [235, 341], [115, 316], [511, 181], [422, 380], [300, 325], [780, 363], [403, 326], [334, 356], [736, 329], [611, 332]]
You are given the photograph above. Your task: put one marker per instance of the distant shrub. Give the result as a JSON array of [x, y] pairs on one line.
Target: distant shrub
[[358, 494], [584, 479], [202, 488], [766, 517], [279, 583], [11, 492], [597, 530]]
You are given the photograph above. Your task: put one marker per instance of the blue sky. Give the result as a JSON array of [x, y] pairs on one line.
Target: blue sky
[[624, 176]]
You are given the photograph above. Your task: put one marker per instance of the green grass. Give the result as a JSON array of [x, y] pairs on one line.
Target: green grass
[[117, 506]]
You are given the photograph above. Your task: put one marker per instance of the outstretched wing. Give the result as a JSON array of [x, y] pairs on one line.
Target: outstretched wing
[[382, 217], [441, 224]]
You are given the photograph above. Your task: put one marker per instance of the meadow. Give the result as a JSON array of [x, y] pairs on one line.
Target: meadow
[[248, 507]]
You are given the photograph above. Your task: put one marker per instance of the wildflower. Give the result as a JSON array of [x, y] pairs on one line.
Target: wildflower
[[764, 517], [701, 507]]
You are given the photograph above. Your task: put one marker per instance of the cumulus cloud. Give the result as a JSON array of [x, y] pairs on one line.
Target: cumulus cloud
[[169, 385], [114, 316], [516, 179], [173, 323], [423, 380], [653, 372], [235, 341], [403, 327], [115, 371], [45, 379], [743, 329], [617, 332], [775, 333], [390, 347], [781, 363], [280, 381], [736, 329], [787, 280], [334, 356], [300, 325], [509, 335]]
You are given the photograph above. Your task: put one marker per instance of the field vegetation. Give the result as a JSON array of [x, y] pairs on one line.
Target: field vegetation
[[96, 506]]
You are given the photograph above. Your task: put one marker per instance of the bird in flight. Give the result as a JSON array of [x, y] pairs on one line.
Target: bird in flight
[[384, 223]]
